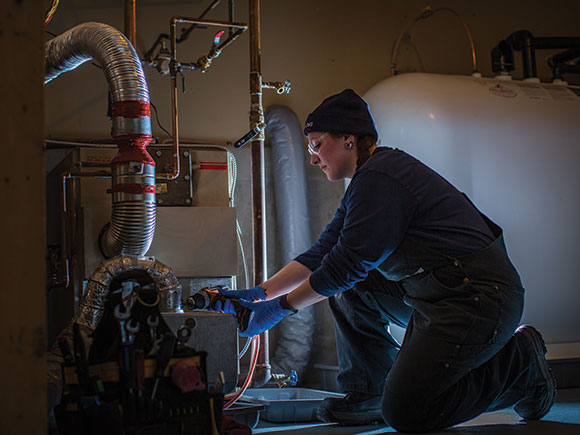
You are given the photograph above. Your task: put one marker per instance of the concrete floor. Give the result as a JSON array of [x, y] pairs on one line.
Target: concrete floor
[[563, 419]]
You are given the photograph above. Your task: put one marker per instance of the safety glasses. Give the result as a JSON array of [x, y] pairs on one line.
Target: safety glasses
[[314, 144]]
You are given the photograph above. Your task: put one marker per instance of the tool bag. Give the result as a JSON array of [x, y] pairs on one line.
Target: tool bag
[[136, 378]]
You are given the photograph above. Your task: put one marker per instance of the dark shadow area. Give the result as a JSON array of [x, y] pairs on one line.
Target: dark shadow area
[[528, 428]]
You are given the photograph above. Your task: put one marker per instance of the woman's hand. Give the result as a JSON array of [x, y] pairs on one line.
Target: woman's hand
[[264, 315], [256, 293]]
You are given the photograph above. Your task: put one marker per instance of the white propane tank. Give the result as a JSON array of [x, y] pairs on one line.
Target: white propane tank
[[514, 148]]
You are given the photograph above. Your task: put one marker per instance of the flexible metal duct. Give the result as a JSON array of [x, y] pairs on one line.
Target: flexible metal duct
[[99, 283], [93, 304], [288, 157], [133, 170]]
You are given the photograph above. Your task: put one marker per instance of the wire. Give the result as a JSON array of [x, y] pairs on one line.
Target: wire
[[214, 430], [425, 13], [235, 396], [158, 121], [51, 12], [245, 348]]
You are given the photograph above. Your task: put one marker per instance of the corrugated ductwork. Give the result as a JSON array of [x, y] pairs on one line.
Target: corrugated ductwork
[[133, 170], [93, 305], [98, 286]]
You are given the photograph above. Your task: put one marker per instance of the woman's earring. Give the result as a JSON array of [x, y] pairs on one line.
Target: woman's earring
[[349, 145]]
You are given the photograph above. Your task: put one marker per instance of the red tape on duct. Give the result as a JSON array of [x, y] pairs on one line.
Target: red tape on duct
[[131, 109], [133, 188], [132, 146], [132, 149]]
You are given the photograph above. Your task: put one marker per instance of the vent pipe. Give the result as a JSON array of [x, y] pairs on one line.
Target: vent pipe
[[133, 170]]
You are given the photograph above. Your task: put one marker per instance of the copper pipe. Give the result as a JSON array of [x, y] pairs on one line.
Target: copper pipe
[[425, 13], [263, 367], [174, 108], [230, 39], [131, 21], [174, 67], [185, 33]]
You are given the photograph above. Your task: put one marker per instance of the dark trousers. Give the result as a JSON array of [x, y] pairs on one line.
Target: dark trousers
[[458, 358]]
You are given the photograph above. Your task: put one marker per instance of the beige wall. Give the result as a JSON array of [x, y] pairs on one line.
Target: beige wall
[[322, 46]]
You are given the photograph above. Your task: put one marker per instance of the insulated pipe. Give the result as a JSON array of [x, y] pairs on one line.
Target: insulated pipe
[[99, 283], [133, 170], [263, 369], [96, 295], [295, 333]]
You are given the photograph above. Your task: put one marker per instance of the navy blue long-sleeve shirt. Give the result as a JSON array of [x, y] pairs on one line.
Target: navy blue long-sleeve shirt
[[390, 196]]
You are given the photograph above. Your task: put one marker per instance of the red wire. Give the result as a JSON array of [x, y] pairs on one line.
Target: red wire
[[255, 350]]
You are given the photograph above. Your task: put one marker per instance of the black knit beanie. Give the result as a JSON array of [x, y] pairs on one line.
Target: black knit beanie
[[342, 113]]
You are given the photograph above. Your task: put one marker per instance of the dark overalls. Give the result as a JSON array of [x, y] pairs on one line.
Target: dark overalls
[[458, 358]]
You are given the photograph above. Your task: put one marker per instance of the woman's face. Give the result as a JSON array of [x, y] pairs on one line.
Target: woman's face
[[331, 155]]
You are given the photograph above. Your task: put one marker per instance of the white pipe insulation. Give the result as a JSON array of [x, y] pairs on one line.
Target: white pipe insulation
[[295, 338]]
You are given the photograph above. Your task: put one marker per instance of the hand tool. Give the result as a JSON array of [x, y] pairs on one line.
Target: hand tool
[[165, 352], [153, 324], [155, 340], [129, 329], [82, 366], [206, 299], [139, 380], [122, 317]]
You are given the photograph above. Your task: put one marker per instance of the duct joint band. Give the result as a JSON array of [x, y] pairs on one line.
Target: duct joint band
[[128, 126], [133, 188]]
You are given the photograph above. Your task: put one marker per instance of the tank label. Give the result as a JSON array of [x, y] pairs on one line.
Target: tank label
[[502, 91], [534, 91]]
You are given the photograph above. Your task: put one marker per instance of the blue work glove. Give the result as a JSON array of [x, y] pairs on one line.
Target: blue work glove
[[256, 293], [265, 315], [225, 306]]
